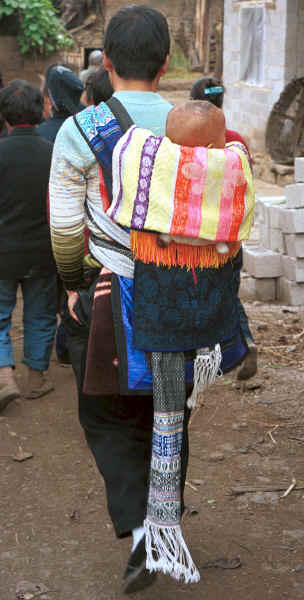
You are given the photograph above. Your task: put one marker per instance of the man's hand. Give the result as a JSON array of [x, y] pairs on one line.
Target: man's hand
[[72, 299]]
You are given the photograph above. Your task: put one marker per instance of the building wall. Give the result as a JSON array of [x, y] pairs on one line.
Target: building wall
[[15, 66], [180, 14], [248, 106]]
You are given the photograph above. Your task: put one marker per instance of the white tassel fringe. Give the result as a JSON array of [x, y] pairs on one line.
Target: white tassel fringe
[[206, 368], [167, 552]]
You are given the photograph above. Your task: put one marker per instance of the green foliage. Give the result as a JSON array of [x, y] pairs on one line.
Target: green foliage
[[38, 26]]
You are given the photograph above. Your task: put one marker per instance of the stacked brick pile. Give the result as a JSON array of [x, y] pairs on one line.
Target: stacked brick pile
[[274, 267]]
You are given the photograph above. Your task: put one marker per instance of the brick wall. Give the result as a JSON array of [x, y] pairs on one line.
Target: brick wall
[[15, 66]]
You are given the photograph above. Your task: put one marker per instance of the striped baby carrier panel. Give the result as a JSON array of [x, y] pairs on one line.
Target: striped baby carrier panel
[[195, 192]]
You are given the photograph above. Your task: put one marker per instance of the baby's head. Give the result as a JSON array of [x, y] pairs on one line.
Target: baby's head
[[196, 123]]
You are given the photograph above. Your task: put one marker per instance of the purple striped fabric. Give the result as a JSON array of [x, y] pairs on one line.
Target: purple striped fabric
[[141, 202]]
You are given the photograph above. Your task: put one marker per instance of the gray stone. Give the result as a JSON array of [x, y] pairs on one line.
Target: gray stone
[[293, 268], [295, 195], [290, 292], [262, 263]]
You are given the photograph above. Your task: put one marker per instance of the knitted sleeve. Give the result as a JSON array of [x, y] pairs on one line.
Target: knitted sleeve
[[68, 191]]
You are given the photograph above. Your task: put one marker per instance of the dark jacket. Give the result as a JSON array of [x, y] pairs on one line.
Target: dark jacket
[[25, 245], [49, 128]]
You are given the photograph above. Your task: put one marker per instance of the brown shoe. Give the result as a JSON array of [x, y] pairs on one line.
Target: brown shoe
[[8, 392], [38, 385], [8, 388]]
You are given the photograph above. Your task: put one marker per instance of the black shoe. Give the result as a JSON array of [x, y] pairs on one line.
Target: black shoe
[[250, 365], [136, 576]]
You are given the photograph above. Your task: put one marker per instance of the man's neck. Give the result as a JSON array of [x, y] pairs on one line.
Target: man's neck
[[129, 85]]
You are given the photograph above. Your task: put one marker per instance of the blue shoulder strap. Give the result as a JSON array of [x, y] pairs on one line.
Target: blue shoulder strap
[[101, 127]]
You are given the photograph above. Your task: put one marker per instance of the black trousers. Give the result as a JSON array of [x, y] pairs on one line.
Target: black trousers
[[118, 430]]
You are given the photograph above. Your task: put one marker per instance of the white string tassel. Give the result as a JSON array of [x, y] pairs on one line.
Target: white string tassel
[[206, 368], [167, 552]]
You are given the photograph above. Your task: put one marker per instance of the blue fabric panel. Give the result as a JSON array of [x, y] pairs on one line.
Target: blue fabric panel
[[139, 374]]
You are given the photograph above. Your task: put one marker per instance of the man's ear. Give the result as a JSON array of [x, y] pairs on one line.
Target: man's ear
[[107, 63], [164, 68]]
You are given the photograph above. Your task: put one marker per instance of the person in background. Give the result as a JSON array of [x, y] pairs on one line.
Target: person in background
[[3, 126], [98, 87], [62, 93], [95, 62], [25, 248], [208, 88], [63, 90]]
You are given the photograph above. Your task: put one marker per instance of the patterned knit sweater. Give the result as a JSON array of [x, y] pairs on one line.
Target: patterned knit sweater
[[78, 197]]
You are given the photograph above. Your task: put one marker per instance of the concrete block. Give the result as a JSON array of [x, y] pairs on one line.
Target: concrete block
[[275, 215], [262, 263], [264, 235], [265, 202], [295, 245], [299, 169], [290, 292], [257, 289], [295, 195], [293, 268], [277, 241], [292, 220]]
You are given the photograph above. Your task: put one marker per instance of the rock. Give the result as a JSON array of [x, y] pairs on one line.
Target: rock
[[299, 568], [216, 457], [254, 384], [295, 534], [239, 426], [265, 498], [26, 590]]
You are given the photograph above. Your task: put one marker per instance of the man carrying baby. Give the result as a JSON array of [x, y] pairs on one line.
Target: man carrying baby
[[117, 417]]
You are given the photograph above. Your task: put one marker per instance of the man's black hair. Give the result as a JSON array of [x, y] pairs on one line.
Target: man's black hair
[[137, 42], [98, 86], [198, 91], [21, 102]]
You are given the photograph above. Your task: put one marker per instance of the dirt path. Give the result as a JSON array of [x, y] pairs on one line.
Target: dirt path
[[55, 530]]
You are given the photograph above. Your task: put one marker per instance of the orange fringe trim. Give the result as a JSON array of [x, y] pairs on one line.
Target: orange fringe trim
[[144, 247]]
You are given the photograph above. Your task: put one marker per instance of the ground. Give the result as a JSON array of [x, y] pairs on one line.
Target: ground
[[55, 529]]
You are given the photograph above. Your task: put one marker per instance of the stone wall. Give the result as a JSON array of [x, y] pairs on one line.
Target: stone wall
[[248, 106]]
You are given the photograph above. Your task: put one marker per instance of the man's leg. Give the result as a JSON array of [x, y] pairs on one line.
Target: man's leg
[[118, 430], [40, 321], [8, 387], [249, 365]]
